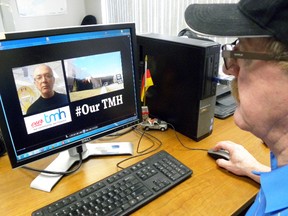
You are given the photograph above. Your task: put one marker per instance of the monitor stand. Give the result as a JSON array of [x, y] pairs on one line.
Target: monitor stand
[[66, 159]]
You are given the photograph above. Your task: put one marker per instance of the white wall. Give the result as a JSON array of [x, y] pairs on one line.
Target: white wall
[[76, 10], [1, 23], [94, 7]]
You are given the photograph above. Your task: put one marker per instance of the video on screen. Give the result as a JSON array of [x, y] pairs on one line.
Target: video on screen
[[34, 81], [94, 75]]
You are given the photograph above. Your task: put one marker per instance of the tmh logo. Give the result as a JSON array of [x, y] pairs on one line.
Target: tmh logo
[[53, 117]]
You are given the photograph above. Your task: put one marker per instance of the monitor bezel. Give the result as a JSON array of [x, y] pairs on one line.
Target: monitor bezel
[[70, 30]]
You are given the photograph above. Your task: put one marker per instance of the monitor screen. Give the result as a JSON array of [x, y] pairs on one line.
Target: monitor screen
[[60, 88]]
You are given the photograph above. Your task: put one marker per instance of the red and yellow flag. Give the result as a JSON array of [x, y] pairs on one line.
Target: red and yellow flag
[[146, 83]]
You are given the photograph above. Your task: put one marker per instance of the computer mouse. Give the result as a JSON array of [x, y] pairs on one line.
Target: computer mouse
[[219, 154]]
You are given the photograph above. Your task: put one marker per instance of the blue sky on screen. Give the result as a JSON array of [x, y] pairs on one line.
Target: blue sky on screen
[[99, 65]]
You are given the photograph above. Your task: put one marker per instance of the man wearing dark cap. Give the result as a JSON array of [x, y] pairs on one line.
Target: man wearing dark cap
[[258, 60]]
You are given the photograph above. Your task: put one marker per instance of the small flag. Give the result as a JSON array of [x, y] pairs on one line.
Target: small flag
[[146, 83]]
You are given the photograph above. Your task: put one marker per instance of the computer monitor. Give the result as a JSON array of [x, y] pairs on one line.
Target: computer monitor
[[95, 77]]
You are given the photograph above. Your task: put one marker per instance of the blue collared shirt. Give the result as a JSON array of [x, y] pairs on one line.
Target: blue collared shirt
[[272, 198]]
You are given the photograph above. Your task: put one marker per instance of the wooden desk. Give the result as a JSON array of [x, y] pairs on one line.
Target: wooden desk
[[210, 191]]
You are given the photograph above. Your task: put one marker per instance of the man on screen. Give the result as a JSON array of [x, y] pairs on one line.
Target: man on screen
[[49, 99]]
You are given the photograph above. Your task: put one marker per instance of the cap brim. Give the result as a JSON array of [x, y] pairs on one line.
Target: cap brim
[[221, 20]]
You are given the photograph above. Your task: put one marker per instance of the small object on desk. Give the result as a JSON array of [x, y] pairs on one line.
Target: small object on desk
[[154, 124], [220, 154]]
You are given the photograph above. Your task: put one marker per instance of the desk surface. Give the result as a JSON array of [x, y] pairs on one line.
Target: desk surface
[[210, 191]]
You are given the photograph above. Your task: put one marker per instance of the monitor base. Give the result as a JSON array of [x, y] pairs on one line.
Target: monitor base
[[66, 159]]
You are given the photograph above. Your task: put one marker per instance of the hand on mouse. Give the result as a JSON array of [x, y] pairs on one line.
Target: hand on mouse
[[241, 162]]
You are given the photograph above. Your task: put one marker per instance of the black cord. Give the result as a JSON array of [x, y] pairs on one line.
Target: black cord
[[148, 136], [193, 149], [151, 137], [79, 150], [143, 133]]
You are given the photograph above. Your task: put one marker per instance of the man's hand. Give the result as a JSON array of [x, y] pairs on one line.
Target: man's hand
[[241, 162]]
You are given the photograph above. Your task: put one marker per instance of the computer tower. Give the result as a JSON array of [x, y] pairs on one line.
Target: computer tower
[[182, 70]]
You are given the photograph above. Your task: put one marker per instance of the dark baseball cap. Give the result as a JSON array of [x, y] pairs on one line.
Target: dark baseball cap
[[247, 18]]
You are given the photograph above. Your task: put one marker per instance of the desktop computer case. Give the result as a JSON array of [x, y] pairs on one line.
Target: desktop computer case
[[182, 70]]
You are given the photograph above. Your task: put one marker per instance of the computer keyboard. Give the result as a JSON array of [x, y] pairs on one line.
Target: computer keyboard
[[124, 191]]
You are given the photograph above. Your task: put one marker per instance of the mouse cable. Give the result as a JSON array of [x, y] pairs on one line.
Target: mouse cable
[[148, 136], [187, 147], [79, 150]]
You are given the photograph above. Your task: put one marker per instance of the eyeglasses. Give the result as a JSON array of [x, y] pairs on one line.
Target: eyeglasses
[[38, 78], [229, 55]]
